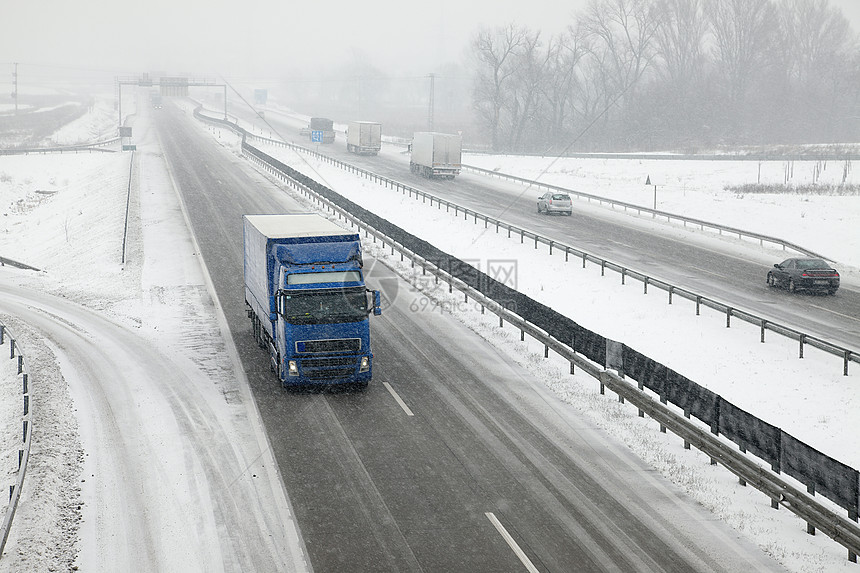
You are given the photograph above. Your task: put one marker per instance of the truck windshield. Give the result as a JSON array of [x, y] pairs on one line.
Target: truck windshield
[[325, 306]]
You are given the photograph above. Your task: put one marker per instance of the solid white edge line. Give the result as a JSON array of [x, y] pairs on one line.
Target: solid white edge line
[[511, 543], [399, 400]]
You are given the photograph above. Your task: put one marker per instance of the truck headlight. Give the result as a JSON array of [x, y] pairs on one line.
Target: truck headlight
[[293, 367], [365, 364]]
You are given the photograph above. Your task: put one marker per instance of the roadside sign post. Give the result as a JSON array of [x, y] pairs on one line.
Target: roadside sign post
[[648, 182]]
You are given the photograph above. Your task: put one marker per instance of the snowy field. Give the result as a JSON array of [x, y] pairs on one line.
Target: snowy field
[[55, 208]]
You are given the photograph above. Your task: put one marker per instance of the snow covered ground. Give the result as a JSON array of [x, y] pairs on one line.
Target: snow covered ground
[[67, 202]]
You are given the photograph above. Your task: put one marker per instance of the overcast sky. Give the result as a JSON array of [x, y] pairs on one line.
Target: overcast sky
[[265, 38]]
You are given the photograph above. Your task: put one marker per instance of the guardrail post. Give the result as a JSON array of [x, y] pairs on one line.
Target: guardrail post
[[2, 333], [686, 442], [25, 383], [671, 289], [623, 273], [566, 253], [728, 317], [698, 304], [11, 348], [645, 285], [664, 401], [602, 267], [802, 340], [846, 358], [810, 529], [583, 260], [20, 364], [852, 515], [763, 328], [550, 247], [522, 335], [522, 236]]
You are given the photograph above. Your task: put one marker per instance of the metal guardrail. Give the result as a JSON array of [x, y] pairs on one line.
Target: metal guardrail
[[703, 225], [743, 465], [4, 261], [827, 155], [24, 452], [127, 206], [88, 147], [730, 311]]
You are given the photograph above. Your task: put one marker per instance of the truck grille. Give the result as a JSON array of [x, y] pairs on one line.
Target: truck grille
[[331, 345], [328, 362], [329, 374]]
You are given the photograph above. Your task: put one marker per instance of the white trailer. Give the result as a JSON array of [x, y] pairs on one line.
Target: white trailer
[[436, 154], [364, 137]]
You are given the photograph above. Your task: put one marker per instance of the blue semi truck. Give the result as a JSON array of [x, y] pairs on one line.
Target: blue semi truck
[[307, 300]]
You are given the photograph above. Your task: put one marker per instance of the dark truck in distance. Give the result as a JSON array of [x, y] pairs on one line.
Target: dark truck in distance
[[307, 300], [321, 128]]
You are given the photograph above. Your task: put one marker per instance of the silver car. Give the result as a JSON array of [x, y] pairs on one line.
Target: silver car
[[554, 202]]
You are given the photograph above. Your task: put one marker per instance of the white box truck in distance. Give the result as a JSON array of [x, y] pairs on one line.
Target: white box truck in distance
[[435, 154], [364, 137]]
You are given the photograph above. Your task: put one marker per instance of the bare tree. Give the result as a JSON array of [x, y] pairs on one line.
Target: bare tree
[[680, 41], [495, 52], [621, 34], [623, 31], [531, 65], [813, 33], [564, 55], [743, 33]]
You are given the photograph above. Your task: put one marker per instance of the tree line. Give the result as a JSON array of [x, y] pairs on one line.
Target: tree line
[[670, 74]]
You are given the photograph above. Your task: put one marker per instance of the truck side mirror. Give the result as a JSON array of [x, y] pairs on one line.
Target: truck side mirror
[[377, 303]]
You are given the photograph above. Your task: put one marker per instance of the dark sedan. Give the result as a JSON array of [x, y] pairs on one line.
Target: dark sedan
[[804, 274]]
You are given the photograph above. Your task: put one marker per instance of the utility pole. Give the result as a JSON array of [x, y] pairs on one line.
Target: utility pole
[[15, 86], [430, 110]]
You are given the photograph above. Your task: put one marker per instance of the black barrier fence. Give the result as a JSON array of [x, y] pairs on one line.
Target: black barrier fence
[[818, 472]]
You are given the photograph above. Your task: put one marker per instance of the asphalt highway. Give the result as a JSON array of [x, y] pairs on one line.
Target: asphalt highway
[[455, 458]]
